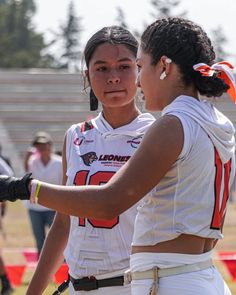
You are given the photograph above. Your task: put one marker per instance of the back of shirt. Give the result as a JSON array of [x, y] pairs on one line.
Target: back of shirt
[[192, 197]]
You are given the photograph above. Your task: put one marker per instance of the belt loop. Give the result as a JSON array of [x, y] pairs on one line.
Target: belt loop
[[127, 277], [154, 288]]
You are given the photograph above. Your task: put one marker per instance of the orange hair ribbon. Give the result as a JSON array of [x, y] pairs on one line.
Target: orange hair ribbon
[[224, 71]]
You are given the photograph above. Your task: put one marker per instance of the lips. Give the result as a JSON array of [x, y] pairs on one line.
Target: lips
[[115, 91]]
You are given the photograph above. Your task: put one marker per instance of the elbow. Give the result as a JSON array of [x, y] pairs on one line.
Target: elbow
[[110, 210], [112, 205], [110, 213]]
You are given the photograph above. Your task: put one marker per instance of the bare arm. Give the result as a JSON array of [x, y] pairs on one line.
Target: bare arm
[[52, 253], [158, 151], [51, 256]]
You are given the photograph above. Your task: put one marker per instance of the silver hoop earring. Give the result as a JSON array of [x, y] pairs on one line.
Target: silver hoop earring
[[163, 75]]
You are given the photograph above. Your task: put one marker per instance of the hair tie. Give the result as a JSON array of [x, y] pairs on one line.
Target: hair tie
[[224, 71]]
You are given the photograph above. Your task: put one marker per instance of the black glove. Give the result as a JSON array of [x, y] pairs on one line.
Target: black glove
[[12, 188]]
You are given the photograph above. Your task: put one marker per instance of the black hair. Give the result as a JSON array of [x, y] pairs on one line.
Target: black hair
[[112, 35], [186, 44]]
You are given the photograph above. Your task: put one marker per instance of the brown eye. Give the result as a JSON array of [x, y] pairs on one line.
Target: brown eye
[[124, 67], [101, 69]]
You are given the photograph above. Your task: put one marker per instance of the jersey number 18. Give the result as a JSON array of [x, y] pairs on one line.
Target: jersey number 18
[[97, 178]]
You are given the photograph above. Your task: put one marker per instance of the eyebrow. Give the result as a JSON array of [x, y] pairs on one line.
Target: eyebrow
[[98, 62]]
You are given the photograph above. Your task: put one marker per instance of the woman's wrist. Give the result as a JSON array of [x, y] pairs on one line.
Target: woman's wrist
[[34, 187]]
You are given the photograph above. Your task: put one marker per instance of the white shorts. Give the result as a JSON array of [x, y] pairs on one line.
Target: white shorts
[[204, 282], [117, 290]]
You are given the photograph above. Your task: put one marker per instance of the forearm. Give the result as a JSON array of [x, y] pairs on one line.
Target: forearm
[[50, 259], [83, 201]]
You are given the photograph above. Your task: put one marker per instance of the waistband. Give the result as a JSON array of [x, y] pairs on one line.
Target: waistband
[[166, 272], [145, 260]]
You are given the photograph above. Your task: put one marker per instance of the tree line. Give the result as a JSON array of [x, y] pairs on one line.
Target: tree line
[[22, 46]]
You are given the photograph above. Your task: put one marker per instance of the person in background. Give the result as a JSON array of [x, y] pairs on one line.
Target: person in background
[[47, 166], [94, 151], [6, 288], [6, 159]]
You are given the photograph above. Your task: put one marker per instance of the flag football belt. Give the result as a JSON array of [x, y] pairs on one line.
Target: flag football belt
[[156, 273], [91, 283]]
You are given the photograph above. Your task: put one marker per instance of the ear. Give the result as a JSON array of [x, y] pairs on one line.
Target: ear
[[165, 63]]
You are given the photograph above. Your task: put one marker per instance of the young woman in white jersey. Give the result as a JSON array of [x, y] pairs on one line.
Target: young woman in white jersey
[[93, 152], [182, 170]]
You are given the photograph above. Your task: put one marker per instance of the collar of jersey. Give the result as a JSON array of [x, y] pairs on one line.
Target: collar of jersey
[[132, 129]]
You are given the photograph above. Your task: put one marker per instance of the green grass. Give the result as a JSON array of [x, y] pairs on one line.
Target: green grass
[[18, 231]]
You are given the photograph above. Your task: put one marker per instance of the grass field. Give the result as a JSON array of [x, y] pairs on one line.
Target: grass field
[[18, 235]]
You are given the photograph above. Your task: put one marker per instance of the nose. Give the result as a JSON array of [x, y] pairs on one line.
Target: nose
[[113, 79]]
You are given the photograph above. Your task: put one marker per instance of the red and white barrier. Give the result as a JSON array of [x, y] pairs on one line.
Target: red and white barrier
[[229, 260], [16, 272]]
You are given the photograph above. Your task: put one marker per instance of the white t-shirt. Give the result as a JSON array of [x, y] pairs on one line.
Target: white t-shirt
[[95, 151], [51, 173]]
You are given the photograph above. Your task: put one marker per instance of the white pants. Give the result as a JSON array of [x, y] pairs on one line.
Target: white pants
[[117, 290], [204, 282]]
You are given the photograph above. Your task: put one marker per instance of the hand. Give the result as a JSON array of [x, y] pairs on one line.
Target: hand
[[12, 188]]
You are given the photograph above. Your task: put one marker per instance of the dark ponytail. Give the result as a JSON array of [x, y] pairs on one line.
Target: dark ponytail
[[210, 86]]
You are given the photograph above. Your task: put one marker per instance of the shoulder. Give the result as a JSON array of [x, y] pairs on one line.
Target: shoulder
[[33, 160], [164, 139], [168, 123], [81, 127], [56, 158]]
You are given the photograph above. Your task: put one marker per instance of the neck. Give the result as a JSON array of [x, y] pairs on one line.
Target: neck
[[45, 159], [118, 117], [188, 91]]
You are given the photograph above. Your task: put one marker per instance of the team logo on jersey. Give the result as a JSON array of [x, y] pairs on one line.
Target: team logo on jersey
[[112, 160], [81, 139], [89, 158], [134, 142]]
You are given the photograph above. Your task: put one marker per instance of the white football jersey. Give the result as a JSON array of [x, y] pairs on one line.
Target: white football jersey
[[95, 151], [192, 197]]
